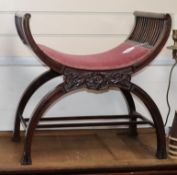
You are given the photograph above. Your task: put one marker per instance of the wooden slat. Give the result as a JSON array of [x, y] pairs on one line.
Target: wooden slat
[[88, 124], [106, 117]]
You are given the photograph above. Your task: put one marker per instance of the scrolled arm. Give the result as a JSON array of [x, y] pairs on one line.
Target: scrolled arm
[[19, 19], [22, 22]]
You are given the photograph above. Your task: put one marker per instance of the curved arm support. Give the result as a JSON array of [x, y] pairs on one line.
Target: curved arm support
[[157, 119], [44, 104], [36, 84]]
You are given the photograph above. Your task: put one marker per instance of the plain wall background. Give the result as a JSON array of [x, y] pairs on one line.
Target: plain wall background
[[79, 27]]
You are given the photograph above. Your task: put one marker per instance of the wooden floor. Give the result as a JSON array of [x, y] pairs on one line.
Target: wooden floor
[[75, 151]]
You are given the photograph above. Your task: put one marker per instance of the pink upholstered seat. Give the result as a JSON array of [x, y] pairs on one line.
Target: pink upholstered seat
[[124, 55]]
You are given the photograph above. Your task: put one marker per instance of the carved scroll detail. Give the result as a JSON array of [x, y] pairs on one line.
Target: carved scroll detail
[[99, 80]]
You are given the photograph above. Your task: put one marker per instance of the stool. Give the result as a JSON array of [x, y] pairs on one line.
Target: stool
[[98, 72]]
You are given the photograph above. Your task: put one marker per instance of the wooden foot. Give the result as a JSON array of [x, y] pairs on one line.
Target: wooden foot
[[26, 160], [16, 138], [132, 132], [161, 153]]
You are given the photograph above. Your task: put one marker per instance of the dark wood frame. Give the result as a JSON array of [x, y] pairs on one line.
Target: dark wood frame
[[150, 28]]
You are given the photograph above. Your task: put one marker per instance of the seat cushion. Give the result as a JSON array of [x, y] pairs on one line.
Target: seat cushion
[[124, 55]]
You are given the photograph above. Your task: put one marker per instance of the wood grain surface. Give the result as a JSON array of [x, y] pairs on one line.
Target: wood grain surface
[[84, 152]]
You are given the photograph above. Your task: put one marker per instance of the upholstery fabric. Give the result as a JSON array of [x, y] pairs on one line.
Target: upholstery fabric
[[124, 55]]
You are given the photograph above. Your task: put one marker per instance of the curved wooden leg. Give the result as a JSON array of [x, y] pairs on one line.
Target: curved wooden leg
[[25, 98], [132, 109], [44, 104], [157, 119]]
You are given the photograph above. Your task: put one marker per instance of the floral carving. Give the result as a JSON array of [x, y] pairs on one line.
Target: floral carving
[[99, 80]]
